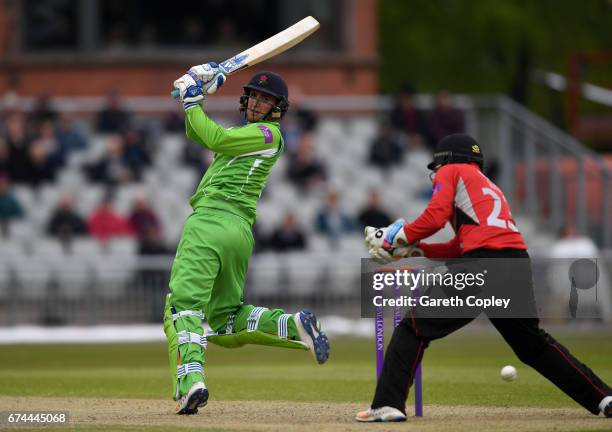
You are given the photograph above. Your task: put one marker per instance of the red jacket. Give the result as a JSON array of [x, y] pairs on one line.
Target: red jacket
[[104, 224], [476, 209]]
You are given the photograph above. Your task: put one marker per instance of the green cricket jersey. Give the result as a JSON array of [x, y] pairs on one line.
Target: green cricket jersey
[[244, 157]]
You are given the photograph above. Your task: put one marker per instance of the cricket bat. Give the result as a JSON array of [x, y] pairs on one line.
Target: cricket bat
[[272, 46]]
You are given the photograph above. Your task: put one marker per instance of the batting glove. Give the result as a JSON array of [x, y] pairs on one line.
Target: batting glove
[[215, 83], [190, 92], [205, 72], [210, 76]]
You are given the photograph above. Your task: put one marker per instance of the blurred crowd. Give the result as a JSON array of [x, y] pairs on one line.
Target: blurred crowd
[[35, 147]]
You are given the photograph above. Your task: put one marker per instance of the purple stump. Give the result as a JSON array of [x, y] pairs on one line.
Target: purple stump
[[379, 339], [418, 392], [418, 379]]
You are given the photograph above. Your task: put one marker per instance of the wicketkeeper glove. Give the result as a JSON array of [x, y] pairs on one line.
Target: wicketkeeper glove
[[387, 238], [390, 243]]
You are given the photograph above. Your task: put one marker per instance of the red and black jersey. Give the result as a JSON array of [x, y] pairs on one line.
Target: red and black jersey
[[476, 209]]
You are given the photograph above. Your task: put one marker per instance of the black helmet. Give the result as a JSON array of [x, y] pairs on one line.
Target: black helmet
[[272, 84], [456, 148]]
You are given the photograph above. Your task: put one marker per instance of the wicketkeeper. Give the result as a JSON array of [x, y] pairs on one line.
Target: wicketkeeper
[[208, 274], [484, 228]]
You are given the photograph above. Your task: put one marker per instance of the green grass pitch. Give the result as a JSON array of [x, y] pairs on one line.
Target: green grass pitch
[[459, 370]]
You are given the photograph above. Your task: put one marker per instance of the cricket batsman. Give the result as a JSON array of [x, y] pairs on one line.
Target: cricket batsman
[[208, 273], [484, 228]]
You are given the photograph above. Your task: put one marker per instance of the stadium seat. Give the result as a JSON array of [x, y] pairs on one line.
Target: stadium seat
[[23, 230], [183, 181], [265, 274], [49, 250], [87, 248], [330, 128], [88, 200], [318, 243], [122, 246], [74, 277], [303, 271], [344, 275], [11, 250], [32, 279], [364, 127], [112, 274], [25, 196], [268, 216], [71, 179], [124, 198], [5, 279], [352, 246], [171, 148]]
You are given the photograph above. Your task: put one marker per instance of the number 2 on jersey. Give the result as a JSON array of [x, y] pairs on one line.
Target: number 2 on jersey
[[493, 219]]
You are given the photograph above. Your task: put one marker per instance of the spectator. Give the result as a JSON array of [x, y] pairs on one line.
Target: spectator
[[105, 223], [41, 167], [112, 168], [260, 239], [143, 219], [18, 143], [298, 120], [42, 112], [373, 214], [48, 139], [153, 280], [385, 149], [135, 152], [9, 206], [175, 121], [66, 223], [409, 120], [288, 236], [113, 118], [197, 157], [70, 136], [152, 244], [445, 118], [5, 162], [305, 171], [331, 220]]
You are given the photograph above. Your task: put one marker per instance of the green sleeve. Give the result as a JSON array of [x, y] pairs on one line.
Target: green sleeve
[[252, 138]]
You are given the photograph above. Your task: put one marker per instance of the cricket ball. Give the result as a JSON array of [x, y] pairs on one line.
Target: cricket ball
[[508, 373]]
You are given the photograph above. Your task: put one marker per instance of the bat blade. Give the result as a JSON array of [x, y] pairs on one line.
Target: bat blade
[[270, 47]]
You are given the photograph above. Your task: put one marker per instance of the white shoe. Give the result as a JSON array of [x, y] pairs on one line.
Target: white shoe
[[382, 414], [606, 406], [196, 397]]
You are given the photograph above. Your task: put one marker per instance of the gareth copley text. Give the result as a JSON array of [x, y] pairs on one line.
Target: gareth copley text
[[426, 301]]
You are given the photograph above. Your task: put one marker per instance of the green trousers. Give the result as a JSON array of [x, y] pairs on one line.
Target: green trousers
[[207, 281]]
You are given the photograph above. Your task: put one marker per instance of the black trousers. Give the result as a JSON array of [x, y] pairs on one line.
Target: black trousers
[[532, 345]]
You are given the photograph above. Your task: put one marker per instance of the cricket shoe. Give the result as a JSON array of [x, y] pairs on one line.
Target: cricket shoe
[[382, 414], [606, 406], [311, 334], [196, 397]]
